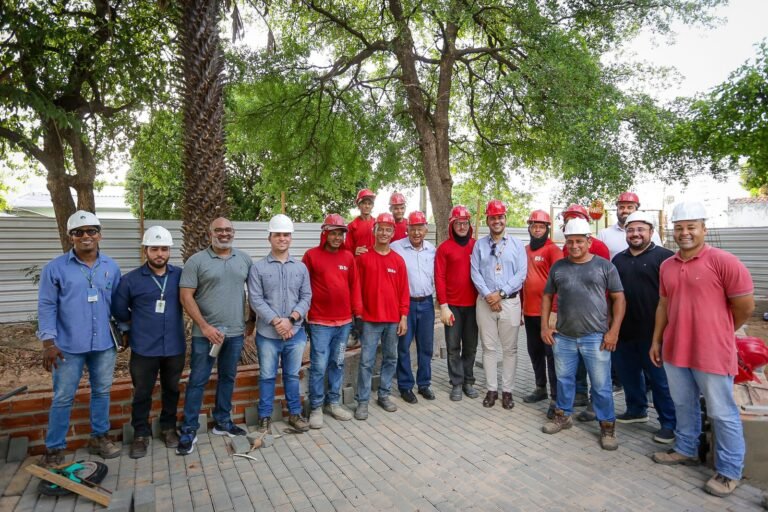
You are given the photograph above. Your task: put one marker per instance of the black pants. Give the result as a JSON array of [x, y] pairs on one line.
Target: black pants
[[144, 372], [461, 342], [542, 358]]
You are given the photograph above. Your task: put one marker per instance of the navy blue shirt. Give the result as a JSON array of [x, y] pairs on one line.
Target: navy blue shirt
[[152, 334]]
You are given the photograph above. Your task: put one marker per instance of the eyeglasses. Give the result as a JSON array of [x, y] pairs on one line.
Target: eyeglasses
[[493, 249], [220, 231], [632, 231], [77, 233], [461, 224]]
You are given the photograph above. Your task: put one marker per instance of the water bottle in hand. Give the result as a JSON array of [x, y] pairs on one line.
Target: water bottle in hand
[[214, 352]]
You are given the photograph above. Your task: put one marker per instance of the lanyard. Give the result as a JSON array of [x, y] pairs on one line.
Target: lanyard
[[500, 251], [89, 276], [162, 288]]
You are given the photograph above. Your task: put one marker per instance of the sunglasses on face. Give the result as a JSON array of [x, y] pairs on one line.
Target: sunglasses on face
[[77, 233]]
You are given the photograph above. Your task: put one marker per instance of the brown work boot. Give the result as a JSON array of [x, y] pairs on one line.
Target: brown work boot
[[671, 458], [53, 457], [170, 437], [558, 423], [507, 401], [608, 439], [298, 422], [264, 425], [103, 446], [139, 447], [721, 486], [490, 398]]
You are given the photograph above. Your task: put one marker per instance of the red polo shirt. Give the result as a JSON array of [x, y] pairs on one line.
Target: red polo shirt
[[700, 332], [539, 263]]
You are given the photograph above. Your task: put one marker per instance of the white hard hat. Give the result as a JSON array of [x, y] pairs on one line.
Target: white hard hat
[[82, 218], [577, 226], [280, 224], [689, 210], [639, 216], [157, 236]]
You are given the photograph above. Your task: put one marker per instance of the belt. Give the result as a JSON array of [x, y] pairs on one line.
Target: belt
[[421, 299], [511, 295]]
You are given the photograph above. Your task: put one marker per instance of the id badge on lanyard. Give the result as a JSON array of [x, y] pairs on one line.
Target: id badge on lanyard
[[93, 295], [160, 303]]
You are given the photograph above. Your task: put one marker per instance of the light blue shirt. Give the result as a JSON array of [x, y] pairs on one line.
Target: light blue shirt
[[276, 289], [65, 315], [420, 264], [504, 270]]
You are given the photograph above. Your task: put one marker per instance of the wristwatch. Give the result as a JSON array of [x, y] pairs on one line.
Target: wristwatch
[[292, 320], [502, 294]]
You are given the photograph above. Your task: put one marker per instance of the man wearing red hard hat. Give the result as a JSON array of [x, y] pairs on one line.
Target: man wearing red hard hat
[[615, 237], [457, 297], [397, 208], [359, 237], [499, 266]]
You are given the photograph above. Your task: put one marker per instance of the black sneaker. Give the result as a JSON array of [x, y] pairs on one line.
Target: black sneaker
[[231, 430], [186, 443], [538, 395], [664, 436], [408, 396], [632, 418], [427, 393]]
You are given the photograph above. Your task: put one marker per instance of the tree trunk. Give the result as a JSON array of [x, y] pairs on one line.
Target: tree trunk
[[58, 182], [203, 109]]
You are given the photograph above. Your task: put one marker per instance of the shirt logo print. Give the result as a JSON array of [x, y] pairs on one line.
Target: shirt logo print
[[343, 267], [538, 258], [391, 271]]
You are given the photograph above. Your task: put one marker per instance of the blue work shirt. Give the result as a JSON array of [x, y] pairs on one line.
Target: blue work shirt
[[505, 269], [420, 264], [64, 313], [152, 334], [275, 289]]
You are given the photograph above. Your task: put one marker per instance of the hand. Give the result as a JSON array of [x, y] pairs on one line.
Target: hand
[[50, 354], [655, 354], [402, 327], [548, 335], [553, 320], [284, 328], [609, 341], [493, 298], [357, 327], [360, 250], [496, 307], [446, 316], [214, 335]]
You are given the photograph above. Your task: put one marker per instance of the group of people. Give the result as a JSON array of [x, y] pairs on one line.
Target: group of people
[[663, 321]]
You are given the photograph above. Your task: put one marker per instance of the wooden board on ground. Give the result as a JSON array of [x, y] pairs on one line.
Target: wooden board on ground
[[66, 483]]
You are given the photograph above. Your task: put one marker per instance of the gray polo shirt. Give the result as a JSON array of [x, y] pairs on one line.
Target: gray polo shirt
[[275, 289], [219, 284]]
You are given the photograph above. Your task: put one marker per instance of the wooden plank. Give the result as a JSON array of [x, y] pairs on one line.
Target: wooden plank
[[82, 490]]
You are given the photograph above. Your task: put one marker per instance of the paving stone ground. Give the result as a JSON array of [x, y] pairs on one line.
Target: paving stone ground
[[437, 455]]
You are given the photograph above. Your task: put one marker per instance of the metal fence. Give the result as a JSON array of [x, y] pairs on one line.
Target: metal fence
[[29, 243]]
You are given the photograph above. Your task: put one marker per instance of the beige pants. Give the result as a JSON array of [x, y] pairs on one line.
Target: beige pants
[[498, 330]]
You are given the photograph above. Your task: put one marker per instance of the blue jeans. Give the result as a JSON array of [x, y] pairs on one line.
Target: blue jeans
[[686, 385], [326, 354], [421, 324], [201, 365], [598, 363], [632, 361], [289, 353], [66, 377], [372, 333]]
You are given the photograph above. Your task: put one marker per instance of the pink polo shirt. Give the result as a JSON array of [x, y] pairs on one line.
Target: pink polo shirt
[[700, 333]]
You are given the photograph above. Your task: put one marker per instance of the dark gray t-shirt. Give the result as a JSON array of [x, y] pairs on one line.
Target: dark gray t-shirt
[[582, 307]]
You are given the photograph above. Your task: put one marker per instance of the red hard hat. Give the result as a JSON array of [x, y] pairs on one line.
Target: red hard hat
[[384, 218], [363, 194], [396, 198], [628, 197], [576, 210], [459, 212], [752, 354], [334, 221], [417, 218], [495, 207], [539, 216]]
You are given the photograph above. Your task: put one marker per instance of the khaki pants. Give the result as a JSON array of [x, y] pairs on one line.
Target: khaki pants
[[498, 331]]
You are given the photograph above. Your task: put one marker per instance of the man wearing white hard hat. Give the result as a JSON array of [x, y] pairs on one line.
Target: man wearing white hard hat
[[279, 292], [148, 307], [581, 282], [212, 292], [705, 295], [615, 236], [638, 268], [74, 303]]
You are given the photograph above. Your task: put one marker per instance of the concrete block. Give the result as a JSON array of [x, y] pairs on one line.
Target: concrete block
[[156, 428], [251, 415], [203, 420], [4, 441], [268, 441], [240, 444], [348, 395], [122, 500], [375, 381], [127, 433], [277, 411], [17, 449], [144, 499]]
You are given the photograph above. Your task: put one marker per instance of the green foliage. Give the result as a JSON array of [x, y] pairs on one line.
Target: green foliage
[[476, 195]]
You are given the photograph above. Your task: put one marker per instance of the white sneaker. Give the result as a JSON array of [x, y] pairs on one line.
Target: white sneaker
[[316, 418], [338, 412]]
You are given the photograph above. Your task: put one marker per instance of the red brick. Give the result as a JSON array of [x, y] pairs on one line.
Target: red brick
[[27, 405], [11, 421]]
